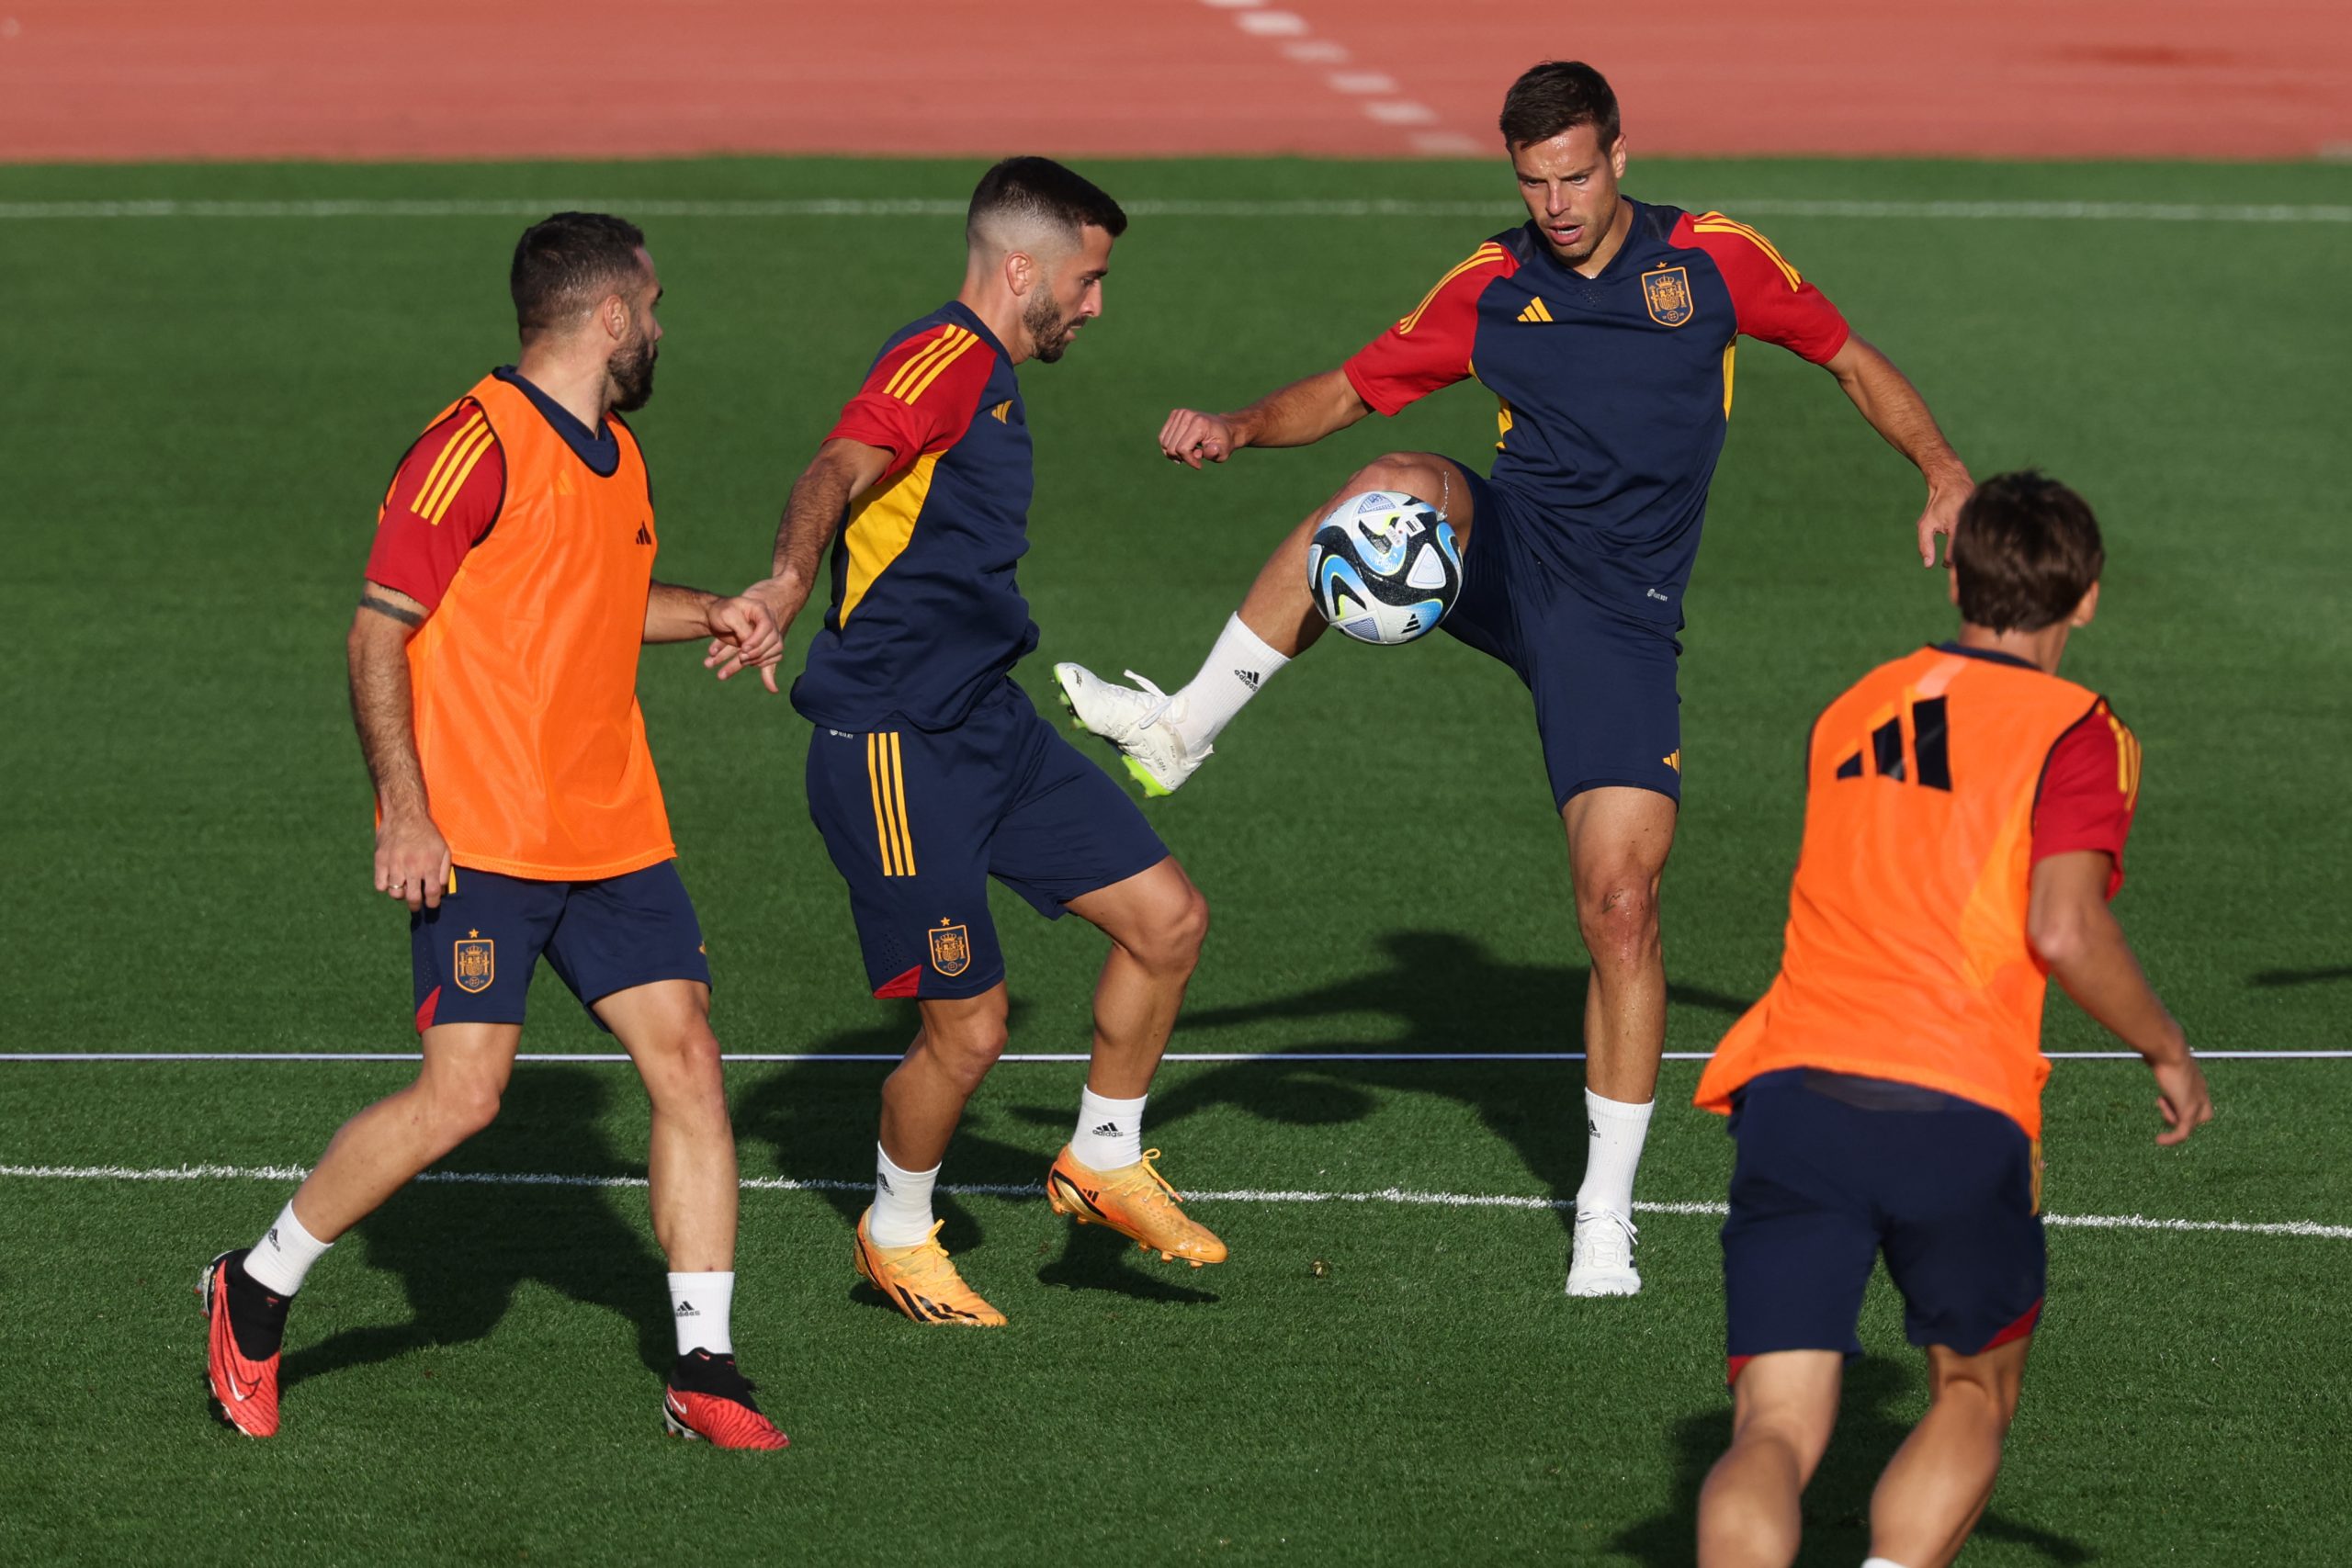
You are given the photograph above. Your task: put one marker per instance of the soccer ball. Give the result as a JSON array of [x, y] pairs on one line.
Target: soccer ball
[[1384, 568]]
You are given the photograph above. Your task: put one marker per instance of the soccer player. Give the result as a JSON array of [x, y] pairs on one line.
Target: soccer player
[[1606, 326], [493, 679], [929, 772], [1965, 814]]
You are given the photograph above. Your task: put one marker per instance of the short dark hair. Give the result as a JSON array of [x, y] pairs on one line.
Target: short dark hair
[[1559, 95], [1039, 188], [566, 263], [2025, 550]]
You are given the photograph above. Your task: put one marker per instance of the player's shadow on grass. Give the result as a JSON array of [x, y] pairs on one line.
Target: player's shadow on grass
[[2272, 978], [1445, 992], [819, 1121], [462, 1249], [1881, 1402]]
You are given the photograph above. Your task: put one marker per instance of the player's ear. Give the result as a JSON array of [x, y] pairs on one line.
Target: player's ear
[[1951, 579], [1617, 156], [2086, 609], [613, 316], [1021, 272]]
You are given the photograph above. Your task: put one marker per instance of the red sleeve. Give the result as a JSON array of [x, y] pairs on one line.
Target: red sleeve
[[1431, 349], [2090, 787], [920, 397], [443, 501], [1770, 299]]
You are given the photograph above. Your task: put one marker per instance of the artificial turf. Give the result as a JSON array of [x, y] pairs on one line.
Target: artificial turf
[[200, 416]]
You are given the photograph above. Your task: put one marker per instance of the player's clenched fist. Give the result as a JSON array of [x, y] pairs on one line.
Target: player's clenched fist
[[744, 635], [1191, 437], [412, 861]]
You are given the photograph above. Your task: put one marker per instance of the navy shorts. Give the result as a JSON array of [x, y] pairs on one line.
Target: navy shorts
[[1833, 1171], [473, 957], [917, 822], [1606, 707]]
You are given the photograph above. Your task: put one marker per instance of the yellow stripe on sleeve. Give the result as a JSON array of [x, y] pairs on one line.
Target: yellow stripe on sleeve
[[917, 363], [467, 450], [938, 366], [442, 461], [457, 482], [1484, 253], [1716, 223]]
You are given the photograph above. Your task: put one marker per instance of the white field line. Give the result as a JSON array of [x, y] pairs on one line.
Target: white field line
[[858, 207], [1033, 1058], [1403, 1196]]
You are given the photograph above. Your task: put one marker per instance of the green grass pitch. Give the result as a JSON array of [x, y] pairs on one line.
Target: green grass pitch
[[197, 423]]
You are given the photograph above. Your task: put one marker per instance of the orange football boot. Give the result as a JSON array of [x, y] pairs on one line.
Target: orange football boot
[[707, 1400], [1137, 1201], [921, 1282], [244, 1389]]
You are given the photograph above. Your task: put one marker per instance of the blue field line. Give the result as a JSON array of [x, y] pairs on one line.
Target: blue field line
[[1052, 1056]]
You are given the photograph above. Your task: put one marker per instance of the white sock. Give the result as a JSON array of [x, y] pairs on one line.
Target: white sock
[[1236, 668], [901, 1212], [700, 1305], [1881, 1562], [1613, 1135], [281, 1260], [1110, 1132]]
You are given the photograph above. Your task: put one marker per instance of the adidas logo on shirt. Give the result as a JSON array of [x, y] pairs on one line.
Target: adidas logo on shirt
[[1536, 311]]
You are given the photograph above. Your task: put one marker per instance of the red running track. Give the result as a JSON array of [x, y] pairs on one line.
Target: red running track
[[166, 79]]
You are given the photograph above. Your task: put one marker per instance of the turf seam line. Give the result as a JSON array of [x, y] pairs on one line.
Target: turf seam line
[[1407, 1196], [1759, 207], [1050, 1057]]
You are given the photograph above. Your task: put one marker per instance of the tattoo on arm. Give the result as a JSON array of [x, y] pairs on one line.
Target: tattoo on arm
[[409, 618]]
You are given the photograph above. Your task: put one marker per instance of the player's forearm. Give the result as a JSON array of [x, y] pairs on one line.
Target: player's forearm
[[677, 614], [2094, 962], [383, 714], [1896, 411], [811, 514], [1301, 413]]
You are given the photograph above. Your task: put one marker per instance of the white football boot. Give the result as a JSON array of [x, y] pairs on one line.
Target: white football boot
[[1601, 1260], [1140, 723]]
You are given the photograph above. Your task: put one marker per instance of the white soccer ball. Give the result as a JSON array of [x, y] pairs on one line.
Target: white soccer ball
[[1384, 568]]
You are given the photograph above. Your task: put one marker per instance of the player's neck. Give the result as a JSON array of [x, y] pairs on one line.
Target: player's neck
[[998, 311], [1610, 243], [2043, 648], [579, 388]]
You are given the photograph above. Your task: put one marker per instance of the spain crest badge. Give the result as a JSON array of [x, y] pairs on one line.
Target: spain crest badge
[[474, 962], [951, 949], [1667, 292]]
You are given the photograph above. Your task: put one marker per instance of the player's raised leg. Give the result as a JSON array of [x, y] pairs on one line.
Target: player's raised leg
[[666, 1029], [1165, 735], [1618, 841], [1784, 1405], [898, 1249], [1938, 1483], [1157, 920], [247, 1292]]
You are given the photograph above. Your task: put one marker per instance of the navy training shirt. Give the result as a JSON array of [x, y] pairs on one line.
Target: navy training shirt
[[1615, 390], [926, 617]]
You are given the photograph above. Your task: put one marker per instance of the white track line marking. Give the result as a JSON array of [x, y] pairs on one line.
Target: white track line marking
[[1271, 23], [856, 206], [1403, 1196], [1051, 1056]]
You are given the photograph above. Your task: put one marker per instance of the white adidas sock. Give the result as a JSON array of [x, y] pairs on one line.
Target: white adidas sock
[[1881, 1562], [902, 1211], [1110, 1132], [1613, 1135], [1236, 668], [701, 1305], [281, 1260]]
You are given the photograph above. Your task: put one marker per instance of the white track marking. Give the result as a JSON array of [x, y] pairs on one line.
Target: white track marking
[[1402, 1196], [858, 207], [1271, 23], [1051, 1056]]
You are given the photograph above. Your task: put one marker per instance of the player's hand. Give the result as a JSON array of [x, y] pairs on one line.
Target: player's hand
[[412, 861], [1946, 494], [2181, 1098], [744, 635], [1191, 438]]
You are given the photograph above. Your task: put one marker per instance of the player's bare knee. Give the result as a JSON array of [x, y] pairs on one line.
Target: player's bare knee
[[685, 1074], [457, 1108], [1992, 1387], [1409, 472], [967, 1048], [1618, 917], [1173, 944]]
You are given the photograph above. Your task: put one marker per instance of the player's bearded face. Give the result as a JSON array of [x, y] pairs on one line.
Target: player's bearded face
[[1570, 184], [1049, 324], [1073, 296], [631, 371]]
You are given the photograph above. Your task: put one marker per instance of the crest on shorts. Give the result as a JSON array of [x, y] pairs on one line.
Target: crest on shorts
[[951, 949], [1667, 292], [473, 962]]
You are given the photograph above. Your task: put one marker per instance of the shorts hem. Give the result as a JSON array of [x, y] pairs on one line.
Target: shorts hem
[[961, 988], [1054, 905], [700, 977], [1560, 799]]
